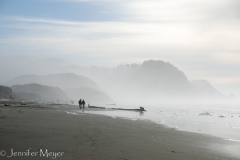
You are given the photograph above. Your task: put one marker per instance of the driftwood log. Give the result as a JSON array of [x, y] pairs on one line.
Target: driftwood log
[[141, 109]]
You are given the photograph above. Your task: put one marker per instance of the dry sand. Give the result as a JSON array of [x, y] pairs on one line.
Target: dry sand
[[87, 137]]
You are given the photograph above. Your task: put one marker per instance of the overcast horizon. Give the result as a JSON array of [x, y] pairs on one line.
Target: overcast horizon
[[201, 38]]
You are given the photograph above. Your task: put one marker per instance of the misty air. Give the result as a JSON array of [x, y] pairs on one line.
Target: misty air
[[133, 80]]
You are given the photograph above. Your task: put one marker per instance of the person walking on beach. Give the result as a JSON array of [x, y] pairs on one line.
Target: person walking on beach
[[80, 104], [83, 103]]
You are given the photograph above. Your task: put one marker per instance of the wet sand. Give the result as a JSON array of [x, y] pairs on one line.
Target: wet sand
[[38, 128]]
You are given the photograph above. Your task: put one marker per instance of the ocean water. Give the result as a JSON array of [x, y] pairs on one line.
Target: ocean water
[[221, 120]]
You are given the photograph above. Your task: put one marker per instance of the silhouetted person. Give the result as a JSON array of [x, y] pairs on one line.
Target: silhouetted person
[[83, 103], [80, 104]]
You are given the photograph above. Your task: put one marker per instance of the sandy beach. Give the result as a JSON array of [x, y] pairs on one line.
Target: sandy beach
[[49, 132]]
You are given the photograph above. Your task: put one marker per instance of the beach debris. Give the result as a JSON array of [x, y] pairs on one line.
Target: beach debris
[[141, 109], [233, 140], [89, 106], [204, 114], [221, 116], [21, 111], [111, 104], [6, 104], [111, 117], [71, 113], [23, 103]]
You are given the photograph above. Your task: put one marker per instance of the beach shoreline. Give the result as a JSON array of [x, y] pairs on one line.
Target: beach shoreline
[[90, 136]]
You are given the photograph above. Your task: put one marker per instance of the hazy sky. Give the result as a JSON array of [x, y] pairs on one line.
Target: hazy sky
[[200, 37]]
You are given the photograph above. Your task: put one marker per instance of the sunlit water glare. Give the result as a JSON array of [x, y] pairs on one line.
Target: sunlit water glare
[[220, 120]]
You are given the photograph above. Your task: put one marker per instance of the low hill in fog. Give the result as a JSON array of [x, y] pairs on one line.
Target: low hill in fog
[[207, 91], [38, 92], [5, 92], [155, 77], [65, 80], [76, 86], [151, 81]]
